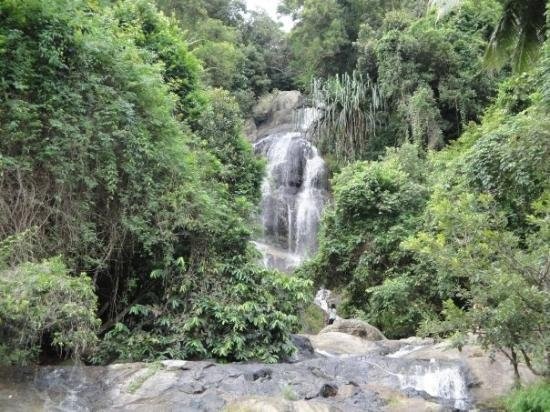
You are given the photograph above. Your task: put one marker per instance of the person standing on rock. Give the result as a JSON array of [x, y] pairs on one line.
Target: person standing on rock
[[331, 314]]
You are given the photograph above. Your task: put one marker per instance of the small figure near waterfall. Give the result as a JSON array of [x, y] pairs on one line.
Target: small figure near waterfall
[[331, 314]]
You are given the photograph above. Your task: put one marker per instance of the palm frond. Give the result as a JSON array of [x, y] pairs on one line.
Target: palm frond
[[518, 35], [350, 104]]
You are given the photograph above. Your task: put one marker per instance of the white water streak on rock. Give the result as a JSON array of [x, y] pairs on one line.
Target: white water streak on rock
[[440, 381]]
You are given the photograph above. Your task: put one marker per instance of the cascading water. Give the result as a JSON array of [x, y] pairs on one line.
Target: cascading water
[[294, 192], [446, 382]]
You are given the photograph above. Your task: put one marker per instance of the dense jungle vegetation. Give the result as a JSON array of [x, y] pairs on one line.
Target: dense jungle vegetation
[[128, 190], [127, 186], [437, 127]]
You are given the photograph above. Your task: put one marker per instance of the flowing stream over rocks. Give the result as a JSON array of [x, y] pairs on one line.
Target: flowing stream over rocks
[[349, 366], [354, 375]]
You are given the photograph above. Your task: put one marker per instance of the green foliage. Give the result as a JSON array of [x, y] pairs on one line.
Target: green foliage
[[324, 36], [114, 156], [444, 56], [416, 79], [312, 319], [244, 313], [153, 32], [89, 143], [121, 151], [220, 126], [535, 398], [467, 250], [42, 304], [377, 205], [242, 51], [351, 105], [268, 55], [486, 233], [425, 119], [517, 37], [481, 265], [320, 42]]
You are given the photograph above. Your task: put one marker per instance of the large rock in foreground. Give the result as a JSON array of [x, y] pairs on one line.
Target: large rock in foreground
[[338, 343], [355, 327], [353, 374], [265, 404]]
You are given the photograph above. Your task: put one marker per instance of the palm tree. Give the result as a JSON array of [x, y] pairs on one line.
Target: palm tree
[[518, 35]]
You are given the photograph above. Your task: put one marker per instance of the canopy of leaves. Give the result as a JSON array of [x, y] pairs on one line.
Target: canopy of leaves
[[457, 244], [241, 50], [325, 31], [518, 36], [377, 205], [416, 79]]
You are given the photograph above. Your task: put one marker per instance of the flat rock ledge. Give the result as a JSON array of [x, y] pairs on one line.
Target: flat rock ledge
[[333, 371]]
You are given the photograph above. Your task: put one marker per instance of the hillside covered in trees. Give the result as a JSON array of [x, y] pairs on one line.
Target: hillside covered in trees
[[127, 186], [128, 191], [446, 233]]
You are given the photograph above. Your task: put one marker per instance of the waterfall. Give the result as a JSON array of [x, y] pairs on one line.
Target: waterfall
[[294, 192], [448, 383]]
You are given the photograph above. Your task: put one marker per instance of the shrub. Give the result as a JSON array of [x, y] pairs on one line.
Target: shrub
[[535, 398], [42, 305]]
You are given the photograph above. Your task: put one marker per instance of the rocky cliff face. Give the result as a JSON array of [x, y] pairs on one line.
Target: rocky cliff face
[[340, 372]]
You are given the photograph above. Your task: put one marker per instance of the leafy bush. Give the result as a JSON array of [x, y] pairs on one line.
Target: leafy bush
[[535, 398], [376, 206], [244, 313], [43, 305]]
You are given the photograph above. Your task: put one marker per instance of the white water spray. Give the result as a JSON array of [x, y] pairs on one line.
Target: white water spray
[[294, 192]]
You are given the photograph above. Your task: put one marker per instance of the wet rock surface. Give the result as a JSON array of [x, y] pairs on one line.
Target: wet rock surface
[[276, 113], [382, 375]]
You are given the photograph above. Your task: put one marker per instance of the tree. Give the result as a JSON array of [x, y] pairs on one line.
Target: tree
[[322, 38], [501, 289], [115, 157], [220, 127], [417, 79], [268, 58], [377, 205], [242, 51], [518, 35], [486, 228]]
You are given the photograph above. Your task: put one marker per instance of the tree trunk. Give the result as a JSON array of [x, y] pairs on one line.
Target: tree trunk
[[514, 360]]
